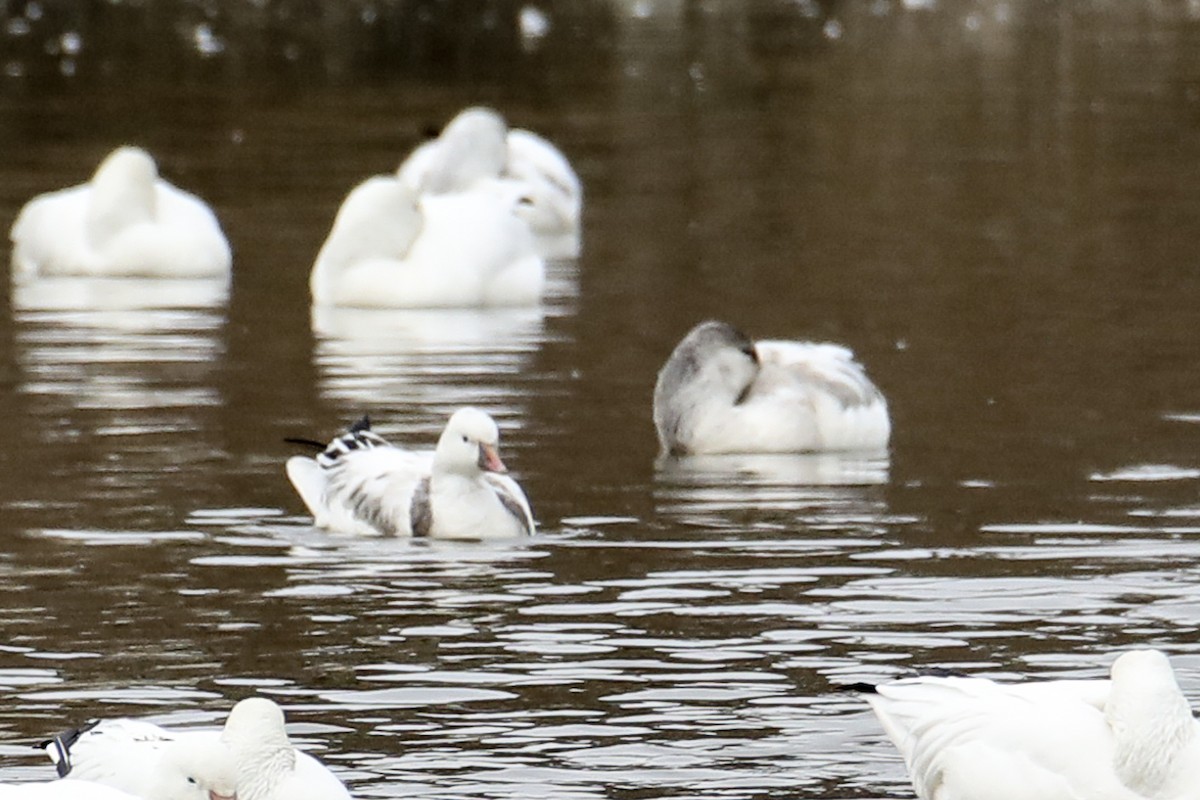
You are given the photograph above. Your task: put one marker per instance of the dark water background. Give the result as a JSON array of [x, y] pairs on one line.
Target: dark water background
[[996, 204]]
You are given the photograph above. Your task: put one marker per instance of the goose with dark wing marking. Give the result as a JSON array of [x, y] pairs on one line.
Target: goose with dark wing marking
[[250, 757], [362, 484]]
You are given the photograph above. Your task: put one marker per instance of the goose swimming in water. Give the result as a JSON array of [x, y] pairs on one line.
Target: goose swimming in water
[[477, 149], [1132, 737], [251, 756], [125, 222], [391, 247], [720, 392], [362, 484]]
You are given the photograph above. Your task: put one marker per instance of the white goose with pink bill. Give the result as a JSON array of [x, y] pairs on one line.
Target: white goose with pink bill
[[362, 484]]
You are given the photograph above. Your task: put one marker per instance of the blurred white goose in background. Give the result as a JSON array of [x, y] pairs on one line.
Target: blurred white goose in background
[[125, 222], [251, 756], [1129, 738], [720, 392], [362, 484], [390, 248], [477, 149]]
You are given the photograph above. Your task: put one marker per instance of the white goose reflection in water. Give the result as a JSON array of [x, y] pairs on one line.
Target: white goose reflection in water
[[108, 343], [433, 361], [122, 379], [702, 490]]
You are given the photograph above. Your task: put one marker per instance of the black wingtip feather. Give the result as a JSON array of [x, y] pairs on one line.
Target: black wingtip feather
[[859, 687], [363, 424], [318, 446], [62, 743]]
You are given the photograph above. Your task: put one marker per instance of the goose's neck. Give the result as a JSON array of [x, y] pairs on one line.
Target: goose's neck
[[260, 769], [117, 202], [1150, 734]]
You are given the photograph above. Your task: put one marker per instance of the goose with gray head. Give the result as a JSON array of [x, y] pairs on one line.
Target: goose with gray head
[[1132, 737], [721, 392], [144, 760], [125, 222], [391, 247], [362, 484], [478, 152]]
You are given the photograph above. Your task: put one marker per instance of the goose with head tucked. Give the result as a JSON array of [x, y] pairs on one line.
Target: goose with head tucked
[[720, 392], [145, 761], [125, 222], [477, 150], [269, 767], [1132, 737], [250, 757], [362, 484], [392, 248]]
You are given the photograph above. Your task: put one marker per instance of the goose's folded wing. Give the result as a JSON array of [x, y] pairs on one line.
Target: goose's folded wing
[[122, 753], [372, 489], [972, 738], [512, 496], [828, 367]]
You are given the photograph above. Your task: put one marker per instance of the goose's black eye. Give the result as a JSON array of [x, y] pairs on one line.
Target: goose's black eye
[[467, 439], [192, 781]]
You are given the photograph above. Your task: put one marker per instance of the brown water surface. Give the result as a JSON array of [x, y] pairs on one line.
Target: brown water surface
[[995, 204]]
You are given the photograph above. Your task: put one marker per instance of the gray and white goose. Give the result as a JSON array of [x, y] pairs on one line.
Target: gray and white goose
[[362, 484], [721, 392], [250, 757]]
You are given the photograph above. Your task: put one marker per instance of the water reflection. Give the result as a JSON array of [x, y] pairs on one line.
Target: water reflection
[[120, 343], [774, 491], [427, 363], [127, 368]]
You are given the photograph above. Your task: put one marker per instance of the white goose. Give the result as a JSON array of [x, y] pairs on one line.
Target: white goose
[[1129, 738], [251, 756], [720, 392], [125, 222], [477, 150], [362, 484], [391, 248]]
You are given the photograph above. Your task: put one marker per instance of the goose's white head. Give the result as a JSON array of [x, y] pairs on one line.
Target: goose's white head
[[470, 443], [378, 219], [533, 158], [470, 148], [196, 769], [122, 193], [255, 722]]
